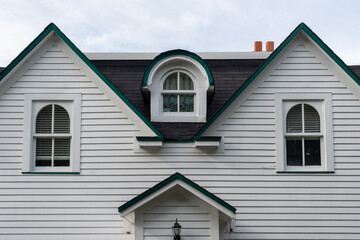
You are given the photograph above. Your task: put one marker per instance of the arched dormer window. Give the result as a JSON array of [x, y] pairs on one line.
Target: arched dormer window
[[178, 94], [178, 82]]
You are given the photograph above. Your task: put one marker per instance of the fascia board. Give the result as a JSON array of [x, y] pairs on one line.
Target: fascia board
[[170, 182]]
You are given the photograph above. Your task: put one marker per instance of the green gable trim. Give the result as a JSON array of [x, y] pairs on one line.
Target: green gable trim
[[173, 53], [176, 176], [301, 27], [26, 51], [54, 28]]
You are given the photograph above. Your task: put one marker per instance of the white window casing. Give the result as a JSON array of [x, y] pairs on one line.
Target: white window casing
[[320, 103], [34, 103], [200, 81]]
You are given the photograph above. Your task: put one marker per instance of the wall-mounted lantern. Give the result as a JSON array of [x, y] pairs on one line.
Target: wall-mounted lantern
[[176, 230]]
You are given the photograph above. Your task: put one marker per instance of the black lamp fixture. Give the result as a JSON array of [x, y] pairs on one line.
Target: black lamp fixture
[[176, 230]]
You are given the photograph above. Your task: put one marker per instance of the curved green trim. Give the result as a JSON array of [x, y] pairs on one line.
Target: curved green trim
[[301, 27], [54, 28], [173, 53], [176, 176]]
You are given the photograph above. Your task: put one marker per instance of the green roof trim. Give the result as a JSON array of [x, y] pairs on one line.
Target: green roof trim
[[144, 139], [176, 176], [181, 52], [52, 27], [301, 27], [215, 139]]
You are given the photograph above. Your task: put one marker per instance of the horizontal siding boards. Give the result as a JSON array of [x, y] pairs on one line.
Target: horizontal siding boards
[[195, 220], [46, 211], [264, 204], [269, 205]]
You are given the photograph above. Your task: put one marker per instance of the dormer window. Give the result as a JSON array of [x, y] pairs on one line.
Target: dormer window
[[178, 83], [178, 93]]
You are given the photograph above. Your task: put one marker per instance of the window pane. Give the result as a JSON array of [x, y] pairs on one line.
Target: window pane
[[170, 103], [61, 120], [294, 152], [185, 82], [294, 120], [312, 119], [43, 152], [43, 120], [62, 152], [186, 103], [312, 152], [170, 82]]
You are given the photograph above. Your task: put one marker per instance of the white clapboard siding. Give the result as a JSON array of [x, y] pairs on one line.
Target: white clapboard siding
[[292, 206], [242, 171], [194, 219], [52, 209]]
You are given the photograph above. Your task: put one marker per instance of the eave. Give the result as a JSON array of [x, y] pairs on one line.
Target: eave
[[168, 183]]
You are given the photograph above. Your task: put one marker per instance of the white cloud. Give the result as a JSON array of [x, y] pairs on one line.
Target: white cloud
[[160, 25], [97, 40]]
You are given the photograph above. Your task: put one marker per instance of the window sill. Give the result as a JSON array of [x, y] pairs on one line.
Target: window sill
[[306, 172], [50, 173], [178, 118]]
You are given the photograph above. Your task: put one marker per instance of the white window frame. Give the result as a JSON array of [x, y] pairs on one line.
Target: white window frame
[[322, 102], [200, 81], [33, 103], [178, 92]]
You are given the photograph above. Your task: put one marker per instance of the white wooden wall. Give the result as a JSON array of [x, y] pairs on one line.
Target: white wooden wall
[[242, 172], [194, 219], [292, 206]]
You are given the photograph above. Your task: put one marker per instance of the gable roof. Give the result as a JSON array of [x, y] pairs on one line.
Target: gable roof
[[146, 196], [301, 27], [53, 28]]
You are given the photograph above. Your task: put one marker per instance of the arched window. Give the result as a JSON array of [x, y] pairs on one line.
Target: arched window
[[178, 84], [178, 93], [303, 136], [52, 138]]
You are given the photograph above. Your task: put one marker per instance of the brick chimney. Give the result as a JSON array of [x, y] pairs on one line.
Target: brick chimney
[[269, 46], [258, 46]]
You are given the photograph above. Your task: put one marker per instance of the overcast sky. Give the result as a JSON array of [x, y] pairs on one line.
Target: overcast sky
[[161, 25]]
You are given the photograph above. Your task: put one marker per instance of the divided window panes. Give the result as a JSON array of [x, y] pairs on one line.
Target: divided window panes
[[52, 137], [303, 136], [178, 93]]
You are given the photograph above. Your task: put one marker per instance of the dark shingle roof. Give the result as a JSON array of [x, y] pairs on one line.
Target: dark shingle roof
[[355, 69], [228, 76]]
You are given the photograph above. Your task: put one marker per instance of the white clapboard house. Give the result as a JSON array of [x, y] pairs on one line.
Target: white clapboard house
[[120, 146]]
